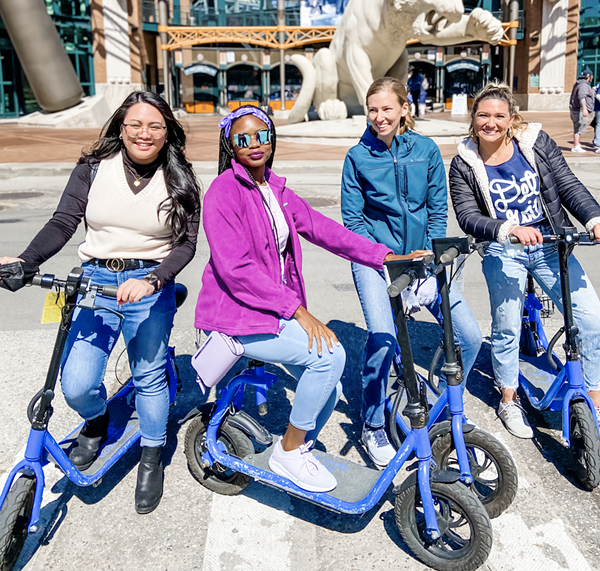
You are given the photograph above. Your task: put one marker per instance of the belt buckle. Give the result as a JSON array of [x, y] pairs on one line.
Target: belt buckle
[[115, 264]]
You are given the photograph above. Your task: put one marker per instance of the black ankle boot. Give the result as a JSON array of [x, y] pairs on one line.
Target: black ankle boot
[[149, 488], [86, 447]]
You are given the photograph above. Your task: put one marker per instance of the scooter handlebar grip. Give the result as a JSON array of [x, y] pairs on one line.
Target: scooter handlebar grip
[[109, 291], [399, 285], [449, 255], [37, 280], [514, 240]]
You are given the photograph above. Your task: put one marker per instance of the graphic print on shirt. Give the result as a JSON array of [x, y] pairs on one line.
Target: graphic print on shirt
[[519, 201], [515, 190]]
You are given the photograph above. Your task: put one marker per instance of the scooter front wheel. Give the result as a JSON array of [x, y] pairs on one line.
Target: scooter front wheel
[[495, 478], [216, 478], [15, 516], [585, 445], [466, 531]]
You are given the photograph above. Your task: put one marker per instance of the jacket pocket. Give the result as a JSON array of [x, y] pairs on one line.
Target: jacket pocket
[[416, 184]]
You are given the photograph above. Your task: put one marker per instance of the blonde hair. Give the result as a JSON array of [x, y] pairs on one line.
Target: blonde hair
[[397, 88], [501, 91]]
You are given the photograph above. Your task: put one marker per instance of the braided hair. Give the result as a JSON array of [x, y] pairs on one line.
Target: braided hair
[[226, 152]]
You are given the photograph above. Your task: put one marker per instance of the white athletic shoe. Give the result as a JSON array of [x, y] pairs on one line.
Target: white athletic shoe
[[302, 468], [578, 149], [512, 415], [597, 150], [378, 446]]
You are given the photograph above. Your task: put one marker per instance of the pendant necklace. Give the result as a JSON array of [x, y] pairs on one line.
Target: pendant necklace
[[138, 180]]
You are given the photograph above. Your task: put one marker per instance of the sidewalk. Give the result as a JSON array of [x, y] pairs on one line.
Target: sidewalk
[[26, 145]]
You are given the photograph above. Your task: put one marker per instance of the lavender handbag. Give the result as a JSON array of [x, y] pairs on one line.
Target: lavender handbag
[[214, 358]]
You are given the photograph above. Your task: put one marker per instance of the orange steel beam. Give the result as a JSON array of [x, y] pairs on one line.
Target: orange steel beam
[[267, 36]]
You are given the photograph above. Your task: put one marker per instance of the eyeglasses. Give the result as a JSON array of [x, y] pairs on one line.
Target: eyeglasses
[[243, 140], [134, 130]]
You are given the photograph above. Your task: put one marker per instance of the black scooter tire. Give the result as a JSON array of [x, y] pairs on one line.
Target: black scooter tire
[[216, 478], [486, 454], [466, 530], [585, 445], [15, 516]]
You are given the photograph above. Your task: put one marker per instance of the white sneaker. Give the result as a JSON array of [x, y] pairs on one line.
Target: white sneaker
[[512, 415], [578, 149], [378, 446], [302, 468], [597, 150]]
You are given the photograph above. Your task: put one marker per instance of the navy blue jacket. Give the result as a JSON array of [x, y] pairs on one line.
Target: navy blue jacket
[[398, 196]]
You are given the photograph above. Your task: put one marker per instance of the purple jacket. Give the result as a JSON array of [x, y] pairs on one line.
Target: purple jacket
[[242, 293]]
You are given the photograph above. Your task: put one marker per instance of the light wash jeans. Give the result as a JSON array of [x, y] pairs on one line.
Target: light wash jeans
[[381, 338], [146, 328], [319, 387], [597, 131], [507, 279]]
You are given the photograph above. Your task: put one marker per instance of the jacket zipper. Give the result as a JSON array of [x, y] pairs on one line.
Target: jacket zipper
[[401, 202]]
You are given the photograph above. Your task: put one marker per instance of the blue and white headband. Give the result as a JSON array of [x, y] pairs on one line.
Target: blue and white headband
[[226, 122]]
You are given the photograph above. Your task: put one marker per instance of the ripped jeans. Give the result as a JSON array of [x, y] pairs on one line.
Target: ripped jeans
[[506, 278]]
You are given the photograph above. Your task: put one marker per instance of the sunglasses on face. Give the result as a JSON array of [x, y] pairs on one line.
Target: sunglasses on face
[[243, 140]]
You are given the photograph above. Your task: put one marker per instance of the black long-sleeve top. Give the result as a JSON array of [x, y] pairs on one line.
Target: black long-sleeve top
[[71, 210]]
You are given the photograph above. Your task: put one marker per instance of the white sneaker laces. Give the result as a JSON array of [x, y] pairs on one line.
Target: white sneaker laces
[[311, 463]]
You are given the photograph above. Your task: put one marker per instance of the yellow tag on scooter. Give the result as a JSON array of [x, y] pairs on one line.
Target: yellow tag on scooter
[[52, 307]]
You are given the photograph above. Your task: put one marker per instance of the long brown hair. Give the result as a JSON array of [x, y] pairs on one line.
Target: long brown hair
[[497, 90], [395, 86]]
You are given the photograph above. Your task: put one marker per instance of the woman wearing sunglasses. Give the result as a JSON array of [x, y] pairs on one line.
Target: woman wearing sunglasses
[[252, 287], [140, 202]]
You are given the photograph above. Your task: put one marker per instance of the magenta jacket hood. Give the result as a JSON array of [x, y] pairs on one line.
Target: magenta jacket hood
[[242, 291]]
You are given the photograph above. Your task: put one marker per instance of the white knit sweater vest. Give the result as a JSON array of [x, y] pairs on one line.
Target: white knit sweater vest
[[121, 224]]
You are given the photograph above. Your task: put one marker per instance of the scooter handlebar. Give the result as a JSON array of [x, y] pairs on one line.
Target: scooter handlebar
[[399, 285], [109, 291], [449, 255], [553, 237]]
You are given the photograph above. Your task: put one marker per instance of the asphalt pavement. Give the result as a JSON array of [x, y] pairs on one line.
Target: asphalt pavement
[[552, 525]]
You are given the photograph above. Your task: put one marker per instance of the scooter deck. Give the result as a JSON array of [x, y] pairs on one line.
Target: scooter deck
[[123, 429], [538, 373], [354, 482]]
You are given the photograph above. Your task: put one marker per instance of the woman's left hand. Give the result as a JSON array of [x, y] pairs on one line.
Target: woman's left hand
[[414, 254], [133, 290], [596, 231]]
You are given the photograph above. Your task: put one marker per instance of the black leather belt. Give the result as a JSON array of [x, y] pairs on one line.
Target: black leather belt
[[122, 265]]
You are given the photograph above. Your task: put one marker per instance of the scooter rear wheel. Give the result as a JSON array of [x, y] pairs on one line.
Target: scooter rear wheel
[[216, 478], [495, 477], [585, 445], [466, 530], [15, 516]]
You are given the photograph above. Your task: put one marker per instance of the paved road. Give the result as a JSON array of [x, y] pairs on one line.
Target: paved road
[[553, 525]]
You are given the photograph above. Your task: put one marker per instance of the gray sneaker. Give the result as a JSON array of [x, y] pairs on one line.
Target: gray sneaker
[[378, 446], [512, 415]]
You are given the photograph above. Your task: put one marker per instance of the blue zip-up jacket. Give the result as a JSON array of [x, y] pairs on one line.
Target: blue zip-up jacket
[[398, 196]]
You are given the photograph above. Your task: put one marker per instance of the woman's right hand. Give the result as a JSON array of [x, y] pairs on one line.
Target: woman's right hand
[[527, 235], [9, 260], [315, 328], [414, 254]]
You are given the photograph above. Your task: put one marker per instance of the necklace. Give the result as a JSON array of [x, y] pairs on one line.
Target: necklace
[[138, 180]]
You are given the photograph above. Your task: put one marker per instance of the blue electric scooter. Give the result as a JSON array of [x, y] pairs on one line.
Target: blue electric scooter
[[440, 520], [550, 384], [485, 465], [21, 496]]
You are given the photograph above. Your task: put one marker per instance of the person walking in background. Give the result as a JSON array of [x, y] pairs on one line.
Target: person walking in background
[[414, 86], [581, 105], [595, 122]]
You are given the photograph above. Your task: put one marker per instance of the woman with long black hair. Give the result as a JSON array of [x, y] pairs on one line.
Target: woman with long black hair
[[140, 201]]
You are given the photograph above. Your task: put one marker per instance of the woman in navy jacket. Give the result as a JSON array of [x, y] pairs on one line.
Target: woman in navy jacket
[[394, 193]]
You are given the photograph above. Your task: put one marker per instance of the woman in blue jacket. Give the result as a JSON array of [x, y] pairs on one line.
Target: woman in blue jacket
[[394, 193]]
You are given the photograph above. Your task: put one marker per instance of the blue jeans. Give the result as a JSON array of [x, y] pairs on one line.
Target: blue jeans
[[319, 387], [146, 328], [381, 337], [597, 131], [506, 277]]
